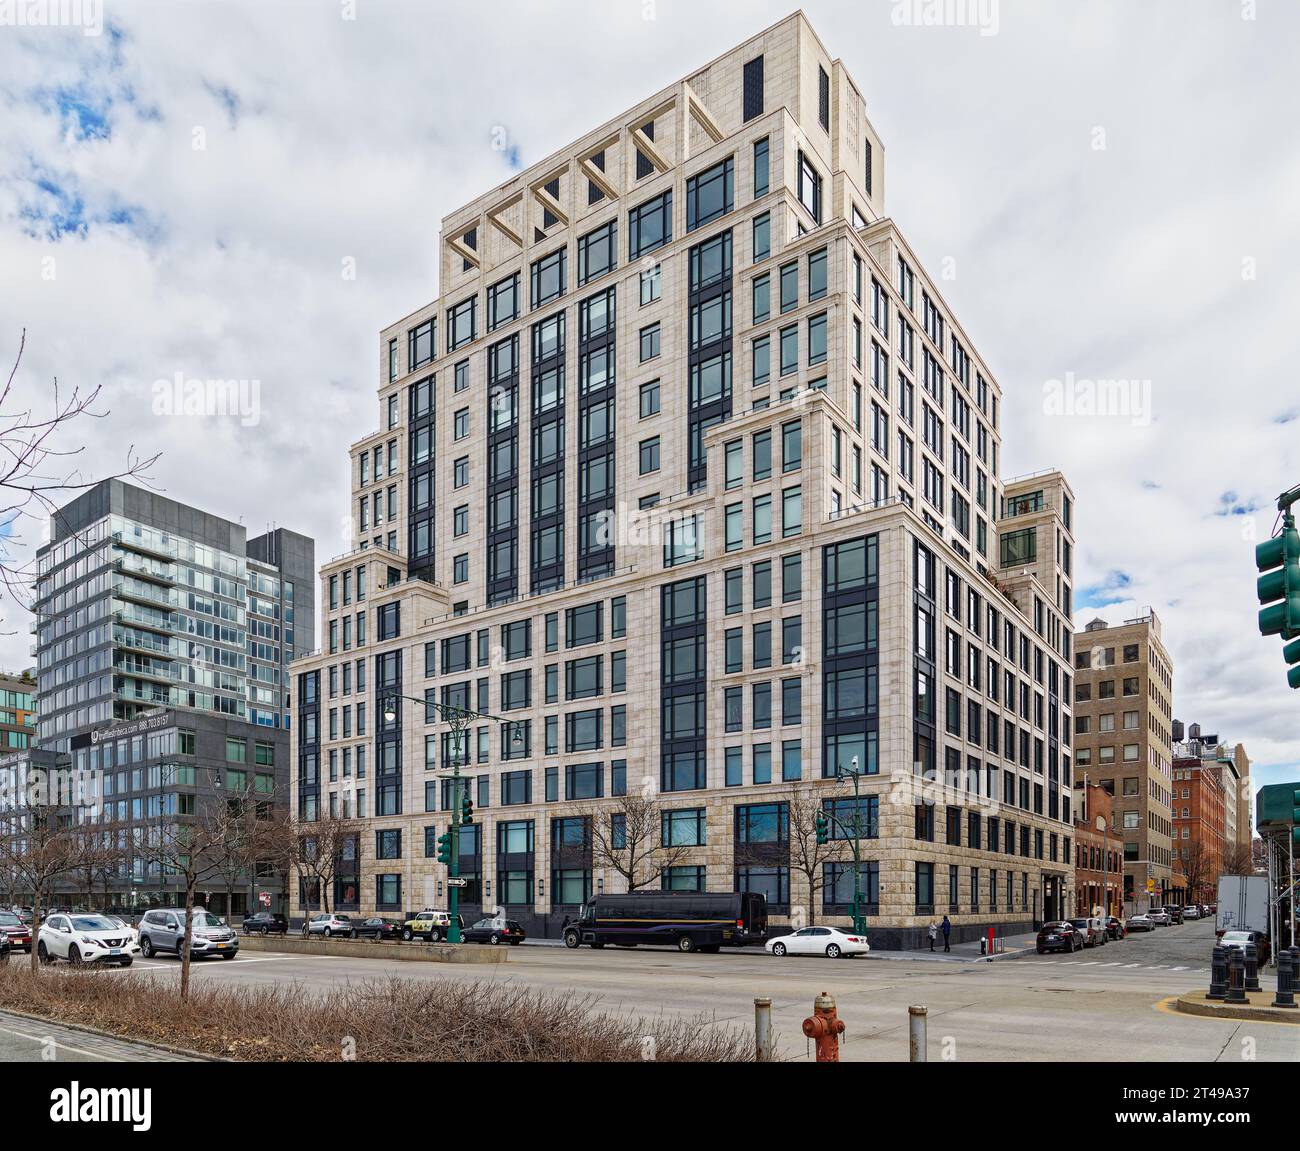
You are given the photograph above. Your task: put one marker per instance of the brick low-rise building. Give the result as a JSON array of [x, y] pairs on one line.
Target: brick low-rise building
[[1098, 855]]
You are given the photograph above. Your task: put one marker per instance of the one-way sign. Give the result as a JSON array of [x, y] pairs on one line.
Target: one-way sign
[[457, 882]]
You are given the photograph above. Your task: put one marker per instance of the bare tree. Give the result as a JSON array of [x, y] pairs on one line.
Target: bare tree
[[190, 848], [311, 850], [240, 842], [99, 859], [1196, 864], [807, 856], [36, 468], [627, 838], [42, 849], [1237, 860]]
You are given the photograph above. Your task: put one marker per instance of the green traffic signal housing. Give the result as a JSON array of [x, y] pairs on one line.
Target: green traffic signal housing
[[444, 849], [1277, 807], [467, 809], [1278, 561], [823, 828]]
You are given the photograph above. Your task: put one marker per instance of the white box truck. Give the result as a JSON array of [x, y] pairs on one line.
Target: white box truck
[[1243, 904]]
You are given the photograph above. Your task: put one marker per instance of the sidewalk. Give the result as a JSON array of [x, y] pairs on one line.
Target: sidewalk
[[968, 952]]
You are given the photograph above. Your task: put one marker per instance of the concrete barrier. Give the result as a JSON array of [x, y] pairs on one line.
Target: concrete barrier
[[371, 949], [1258, 1006]]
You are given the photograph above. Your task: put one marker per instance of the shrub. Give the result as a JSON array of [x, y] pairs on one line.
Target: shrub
[[391, 1020]]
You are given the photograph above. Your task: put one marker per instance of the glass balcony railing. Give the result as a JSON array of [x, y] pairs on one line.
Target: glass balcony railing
[[154, 620], [134, 691], [145, 669], [143, 567], [141, 591], [147, 642], [150, 545]]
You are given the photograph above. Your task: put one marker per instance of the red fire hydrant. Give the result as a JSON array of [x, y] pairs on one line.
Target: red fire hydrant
[[826, 1027]]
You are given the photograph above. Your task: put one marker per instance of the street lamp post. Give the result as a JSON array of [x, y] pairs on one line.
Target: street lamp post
[[460, 719], [859, 921]]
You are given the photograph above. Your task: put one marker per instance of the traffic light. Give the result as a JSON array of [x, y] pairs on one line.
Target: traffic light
[[823, 828], [444, 848], [467, 809], [1278, 561], [1277, 807]]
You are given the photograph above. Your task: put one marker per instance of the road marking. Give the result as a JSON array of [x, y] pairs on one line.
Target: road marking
[[1115, 964], [1088, 963], [65, 1046], [1132, 965], [1178, 968]]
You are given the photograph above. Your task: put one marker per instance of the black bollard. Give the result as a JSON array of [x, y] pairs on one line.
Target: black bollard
[[1252, 968], [1218, 973], [1285, 996], [1236, 977]]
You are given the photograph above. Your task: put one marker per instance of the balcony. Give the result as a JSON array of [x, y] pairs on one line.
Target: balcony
[[145, 569], [147, 547], [152, 595], [150, 695], [165, 624], [144, 669], [152, 645]]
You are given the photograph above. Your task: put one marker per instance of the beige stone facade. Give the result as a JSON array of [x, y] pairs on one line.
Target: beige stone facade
[[1124, 742], [872, 423]]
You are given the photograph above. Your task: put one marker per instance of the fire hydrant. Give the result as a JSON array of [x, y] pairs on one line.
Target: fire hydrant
[[826, 1027]]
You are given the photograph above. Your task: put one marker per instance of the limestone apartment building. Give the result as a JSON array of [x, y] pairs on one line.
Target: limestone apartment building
[[692, 477]]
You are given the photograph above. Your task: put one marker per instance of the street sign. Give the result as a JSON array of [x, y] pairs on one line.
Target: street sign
[[264, 898], [457, 882], [1151, 886]]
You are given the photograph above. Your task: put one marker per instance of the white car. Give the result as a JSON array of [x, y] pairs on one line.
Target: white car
[[1159, 916], [1191, 912], [118, 921], [828, 941], [86, 939]]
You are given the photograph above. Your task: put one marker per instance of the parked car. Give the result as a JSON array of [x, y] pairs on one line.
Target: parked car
[[14, 932], [124, 925], [1159, 916], [376, 927], [429, 925], [1059, 935], [163, 929], [1115, 927], [1191, 911], [1237, 940], [495, 931], [85, 939], [1140, 922], [265, 923], [1175, 914], [831, 942], [1092, 928], [329, 924]]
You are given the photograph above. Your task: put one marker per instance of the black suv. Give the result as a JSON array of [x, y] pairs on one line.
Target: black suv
[[265, 923]]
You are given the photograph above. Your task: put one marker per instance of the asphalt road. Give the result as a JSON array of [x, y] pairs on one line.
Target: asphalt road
[[1102, 1004]]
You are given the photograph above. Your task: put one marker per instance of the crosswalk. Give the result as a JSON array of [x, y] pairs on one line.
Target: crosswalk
[[1101, 964]]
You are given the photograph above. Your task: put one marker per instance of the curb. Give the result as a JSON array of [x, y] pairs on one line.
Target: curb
[[197, 1056], [1196, 1004], [361, 949]]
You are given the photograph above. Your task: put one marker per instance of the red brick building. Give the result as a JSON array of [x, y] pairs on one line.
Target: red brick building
[[1098, 855], [1199, 812]]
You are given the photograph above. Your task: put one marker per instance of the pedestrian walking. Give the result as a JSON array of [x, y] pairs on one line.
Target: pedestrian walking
[[933, 932], [947, 929]]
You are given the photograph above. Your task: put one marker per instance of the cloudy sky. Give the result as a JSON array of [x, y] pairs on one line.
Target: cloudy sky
[[251, 191]]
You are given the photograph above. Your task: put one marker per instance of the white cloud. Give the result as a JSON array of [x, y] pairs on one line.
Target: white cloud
[[328, 138]]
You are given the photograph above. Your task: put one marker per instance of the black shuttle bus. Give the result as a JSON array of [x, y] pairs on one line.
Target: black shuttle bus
[[686, 920]]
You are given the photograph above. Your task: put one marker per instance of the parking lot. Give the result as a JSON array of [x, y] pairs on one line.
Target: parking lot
[[1103, 1004]]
